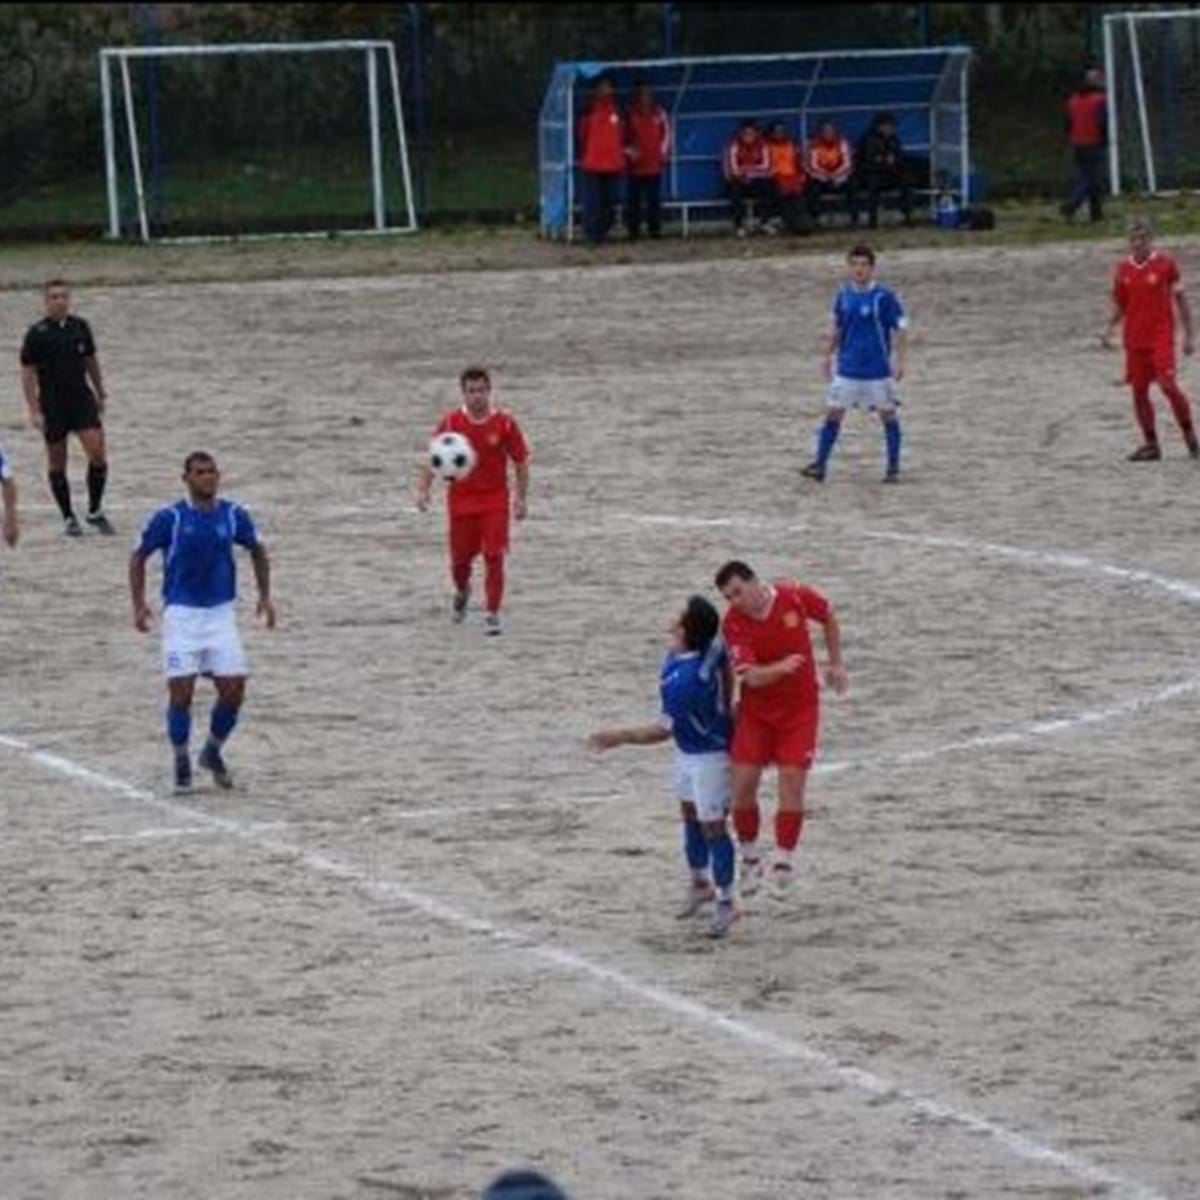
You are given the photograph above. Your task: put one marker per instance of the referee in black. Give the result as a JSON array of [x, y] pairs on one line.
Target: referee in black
[[64, 393]]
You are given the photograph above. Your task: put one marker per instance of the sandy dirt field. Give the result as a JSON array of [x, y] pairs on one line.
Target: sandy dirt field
[[429, 936]]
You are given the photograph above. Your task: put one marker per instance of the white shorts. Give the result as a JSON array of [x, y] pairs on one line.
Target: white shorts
[[704, 780], [201, 641], [870, 394]]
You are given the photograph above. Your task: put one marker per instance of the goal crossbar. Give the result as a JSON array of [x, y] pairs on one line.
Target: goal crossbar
[[370, 48]]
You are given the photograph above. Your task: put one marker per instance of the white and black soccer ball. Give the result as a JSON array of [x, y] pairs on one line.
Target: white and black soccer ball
[[451, 456]]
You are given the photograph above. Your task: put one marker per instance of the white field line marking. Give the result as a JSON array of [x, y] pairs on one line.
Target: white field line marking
[[166, 832], [570, 963]]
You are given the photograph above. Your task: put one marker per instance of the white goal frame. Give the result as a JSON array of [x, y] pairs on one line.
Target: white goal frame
[[1131, 21], [371, 49]]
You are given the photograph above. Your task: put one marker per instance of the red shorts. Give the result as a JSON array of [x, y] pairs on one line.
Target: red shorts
[[478, 533], [759, 743], [1143, 367]]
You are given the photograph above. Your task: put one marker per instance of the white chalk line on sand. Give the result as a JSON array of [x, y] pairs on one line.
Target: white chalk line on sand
[[571, 963]]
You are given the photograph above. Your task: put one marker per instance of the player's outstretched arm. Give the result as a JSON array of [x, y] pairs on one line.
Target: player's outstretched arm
[[29, 386], [1115, 316], [900, 354], [1185, 320], [8, 494], [637, 735], [424, 486], [768, 673], [262, 580], [835, 672], [91, 366], [521, 504], [137, 592]]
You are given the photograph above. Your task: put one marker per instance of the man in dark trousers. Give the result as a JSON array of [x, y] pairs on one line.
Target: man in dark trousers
[[649, 131], [1087, 131], [64, 393], [881, 168], [601, 160]]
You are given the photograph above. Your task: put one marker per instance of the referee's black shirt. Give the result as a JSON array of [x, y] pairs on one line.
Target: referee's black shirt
[[58, 349]]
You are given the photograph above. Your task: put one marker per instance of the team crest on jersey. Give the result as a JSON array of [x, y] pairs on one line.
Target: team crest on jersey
[[1151, 279], [493, 439], [790, 618]]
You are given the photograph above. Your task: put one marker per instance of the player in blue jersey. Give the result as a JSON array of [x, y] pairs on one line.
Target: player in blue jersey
[[8, 499], [864, 359], [200, 635], [694, 686]]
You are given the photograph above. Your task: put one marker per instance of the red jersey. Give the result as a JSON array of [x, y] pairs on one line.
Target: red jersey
[[1144, 292], [496, 439], [602, 138], [1087, 114], [747, 158], [649, 139], [783, 631]]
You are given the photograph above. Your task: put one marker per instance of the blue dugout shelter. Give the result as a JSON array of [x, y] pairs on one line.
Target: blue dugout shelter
[[706, 97]]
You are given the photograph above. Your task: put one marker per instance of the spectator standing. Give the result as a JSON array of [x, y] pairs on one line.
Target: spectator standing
[[787, 178], [601, 159], [648, 129], [1087, 131], [881, 167], [747, 165], [829, 165]]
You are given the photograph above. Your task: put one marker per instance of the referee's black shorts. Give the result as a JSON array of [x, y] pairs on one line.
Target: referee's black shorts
[[60, 417]]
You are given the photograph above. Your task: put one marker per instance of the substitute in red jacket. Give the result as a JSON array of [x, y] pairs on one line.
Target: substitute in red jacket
[[747, 166], [1087, 131], [648, 130], [829, 165], [601, 160], [787, 179]]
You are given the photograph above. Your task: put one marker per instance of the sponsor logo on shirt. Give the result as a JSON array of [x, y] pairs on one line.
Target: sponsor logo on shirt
[[790, 618]]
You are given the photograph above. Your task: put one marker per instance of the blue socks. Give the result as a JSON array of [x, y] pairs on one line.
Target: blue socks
[[179, 727], [891, 437], [224, 718], [826, 439], [695, 848], [721, 850]]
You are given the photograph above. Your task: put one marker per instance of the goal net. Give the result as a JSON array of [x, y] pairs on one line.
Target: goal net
[[1152, 62], [254, 139]]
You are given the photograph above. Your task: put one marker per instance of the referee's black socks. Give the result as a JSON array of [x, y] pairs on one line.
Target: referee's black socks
[[97, 477], [62, 492]]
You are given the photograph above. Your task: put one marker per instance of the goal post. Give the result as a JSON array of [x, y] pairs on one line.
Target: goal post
[[1152, 74], [356, 173]]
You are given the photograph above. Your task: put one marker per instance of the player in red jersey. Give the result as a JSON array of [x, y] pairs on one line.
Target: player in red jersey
[[766, 632], [1147, 283], [479, 504]]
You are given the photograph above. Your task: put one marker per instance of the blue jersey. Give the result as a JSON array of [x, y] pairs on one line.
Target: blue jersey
[[197, 546], [693, 700], [865, 320]]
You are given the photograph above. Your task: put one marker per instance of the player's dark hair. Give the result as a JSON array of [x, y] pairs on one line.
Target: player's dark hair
[[197, 456], [700, 623], [747, 123], [734, 569], [862, 250], [473, 373], [53, 283]]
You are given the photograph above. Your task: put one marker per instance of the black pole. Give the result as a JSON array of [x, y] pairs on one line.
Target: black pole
[[420, 105]]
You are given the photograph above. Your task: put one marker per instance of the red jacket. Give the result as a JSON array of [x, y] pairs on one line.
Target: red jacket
[[829, 162], [747, 159], [602, 138], [1087, 117], [649, 131]]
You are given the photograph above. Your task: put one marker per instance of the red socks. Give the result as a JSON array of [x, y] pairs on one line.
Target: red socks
[[1144, 411], [1179, 403], [493, 581], [787, 829]]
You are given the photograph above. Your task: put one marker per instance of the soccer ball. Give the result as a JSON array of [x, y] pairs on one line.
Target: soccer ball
[[451, 456]]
